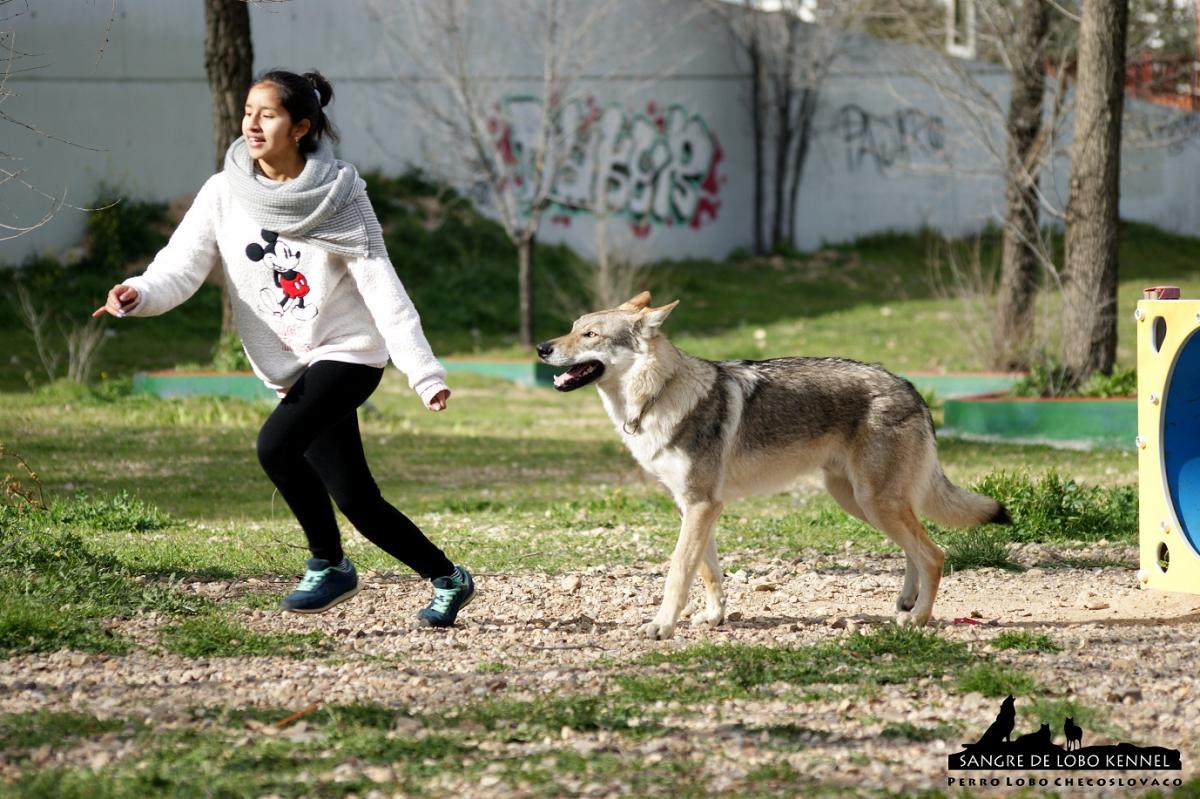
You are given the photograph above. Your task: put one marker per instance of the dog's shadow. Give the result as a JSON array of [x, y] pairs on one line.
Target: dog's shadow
[[771, 622]]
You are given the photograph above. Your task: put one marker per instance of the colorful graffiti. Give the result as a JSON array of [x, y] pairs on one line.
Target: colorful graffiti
[[903, 136], [657, 167]]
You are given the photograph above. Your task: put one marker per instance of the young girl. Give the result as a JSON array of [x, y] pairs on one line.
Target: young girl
[[319, 309]]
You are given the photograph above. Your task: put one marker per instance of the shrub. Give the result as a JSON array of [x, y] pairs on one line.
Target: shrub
[[1054, 508], [122, 230]]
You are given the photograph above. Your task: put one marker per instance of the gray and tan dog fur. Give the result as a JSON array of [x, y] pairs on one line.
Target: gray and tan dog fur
[[712, 432]]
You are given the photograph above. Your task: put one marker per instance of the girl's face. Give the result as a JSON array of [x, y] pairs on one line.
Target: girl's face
[[270, 134]]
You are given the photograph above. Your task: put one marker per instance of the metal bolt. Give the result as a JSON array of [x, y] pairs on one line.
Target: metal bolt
[[1140, 316], [1143, 578], [1165, 526], [1139, 442], [1154, 399]]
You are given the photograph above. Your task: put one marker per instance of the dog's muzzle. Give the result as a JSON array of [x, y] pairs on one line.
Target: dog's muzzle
[[576, 376]]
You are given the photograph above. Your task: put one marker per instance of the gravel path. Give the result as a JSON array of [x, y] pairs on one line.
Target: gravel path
[[1128, 652]]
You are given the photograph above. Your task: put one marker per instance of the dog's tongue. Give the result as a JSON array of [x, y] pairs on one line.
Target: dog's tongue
[[571, 374]]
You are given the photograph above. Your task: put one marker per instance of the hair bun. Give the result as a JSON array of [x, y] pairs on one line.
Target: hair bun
[[323, 87]]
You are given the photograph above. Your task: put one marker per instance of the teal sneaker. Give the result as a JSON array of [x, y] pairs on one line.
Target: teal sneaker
[[450, 595], [323, 586]]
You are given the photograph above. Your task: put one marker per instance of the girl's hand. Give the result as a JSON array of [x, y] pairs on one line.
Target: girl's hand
[[120, 299], [438, 401]]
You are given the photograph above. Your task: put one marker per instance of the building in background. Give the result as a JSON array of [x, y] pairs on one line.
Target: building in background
[[670, 149]]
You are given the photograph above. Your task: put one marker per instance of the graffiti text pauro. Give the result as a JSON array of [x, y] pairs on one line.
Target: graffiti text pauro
[[902, 136], [654, 168]]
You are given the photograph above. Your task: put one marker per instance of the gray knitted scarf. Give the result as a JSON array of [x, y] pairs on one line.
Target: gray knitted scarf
[[326, 203]]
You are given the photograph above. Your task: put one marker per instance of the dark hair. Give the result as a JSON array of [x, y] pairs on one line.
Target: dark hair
[[303, 97]]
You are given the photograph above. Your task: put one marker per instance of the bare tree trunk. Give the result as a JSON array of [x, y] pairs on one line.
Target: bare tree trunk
[[229, 62], [525, 288], [809, 97], [1090, 329], [758, 119], [784, 134], [1012, 330]]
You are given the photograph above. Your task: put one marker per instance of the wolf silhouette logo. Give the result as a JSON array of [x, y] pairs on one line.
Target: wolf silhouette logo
[[997, 748], [1073, 732], [1000, 729]]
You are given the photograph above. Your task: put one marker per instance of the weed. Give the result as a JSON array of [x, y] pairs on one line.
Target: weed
[[1053, 508], [1025, 641], [980, 548], [121, 512], [996, 679]]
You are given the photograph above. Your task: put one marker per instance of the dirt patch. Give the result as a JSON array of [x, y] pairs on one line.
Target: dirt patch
[[1126, 652]]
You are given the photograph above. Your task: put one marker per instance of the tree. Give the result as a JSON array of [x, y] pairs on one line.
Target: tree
[[1018, 138], [17, 180], [1013, 325], [1090, 330], [228, 62], [791, 51], [509, 146]]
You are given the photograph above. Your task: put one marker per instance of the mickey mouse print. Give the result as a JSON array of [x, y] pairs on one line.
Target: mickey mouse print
[[287, 295]]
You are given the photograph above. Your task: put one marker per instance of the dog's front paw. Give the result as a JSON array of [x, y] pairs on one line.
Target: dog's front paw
[[658, 631], [906, 619], [710, 617]]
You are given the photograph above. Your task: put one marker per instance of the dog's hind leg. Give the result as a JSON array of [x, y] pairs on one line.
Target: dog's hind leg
[[694, 536], [842, 490], [714, 593], [924, 558], [908, 593]]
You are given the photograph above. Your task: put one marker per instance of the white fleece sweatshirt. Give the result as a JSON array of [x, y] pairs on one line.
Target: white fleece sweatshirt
[[294, 303]]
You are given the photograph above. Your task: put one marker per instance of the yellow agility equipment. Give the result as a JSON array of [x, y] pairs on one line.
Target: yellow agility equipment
[[1168, 441]]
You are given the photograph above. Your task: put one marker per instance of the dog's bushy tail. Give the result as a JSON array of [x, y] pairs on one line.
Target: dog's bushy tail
[[951, 505]]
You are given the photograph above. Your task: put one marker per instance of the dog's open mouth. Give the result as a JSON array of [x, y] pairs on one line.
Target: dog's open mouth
[[578, 376]]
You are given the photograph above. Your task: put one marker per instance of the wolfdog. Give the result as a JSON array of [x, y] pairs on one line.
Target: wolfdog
[[713, 431]]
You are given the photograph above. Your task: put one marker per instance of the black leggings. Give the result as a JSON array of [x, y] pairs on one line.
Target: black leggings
[[311, 449]]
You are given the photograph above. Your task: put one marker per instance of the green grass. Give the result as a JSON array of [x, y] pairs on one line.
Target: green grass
[[1052, 711], [986, 547], [25, 731], [519, 478], [243, 752], [1055, 508], [144, 492], [885, 655], [996, 679], [59, 591], [211, 635], [1025, 641]]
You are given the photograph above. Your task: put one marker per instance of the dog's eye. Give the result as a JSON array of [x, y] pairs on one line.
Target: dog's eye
[[590, 334]]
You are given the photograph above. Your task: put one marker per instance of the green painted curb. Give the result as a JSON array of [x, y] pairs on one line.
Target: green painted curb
[[243, 385], [962, 384], [529, 373], [1058, 422]]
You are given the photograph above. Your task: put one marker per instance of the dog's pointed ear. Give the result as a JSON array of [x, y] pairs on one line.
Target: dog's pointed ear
[[653, 318], [636, 303]]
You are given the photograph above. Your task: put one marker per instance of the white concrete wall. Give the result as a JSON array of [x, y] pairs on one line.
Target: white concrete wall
[[144, 108]]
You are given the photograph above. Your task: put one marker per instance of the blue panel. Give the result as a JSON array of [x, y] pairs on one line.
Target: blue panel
[[1181, 438]]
